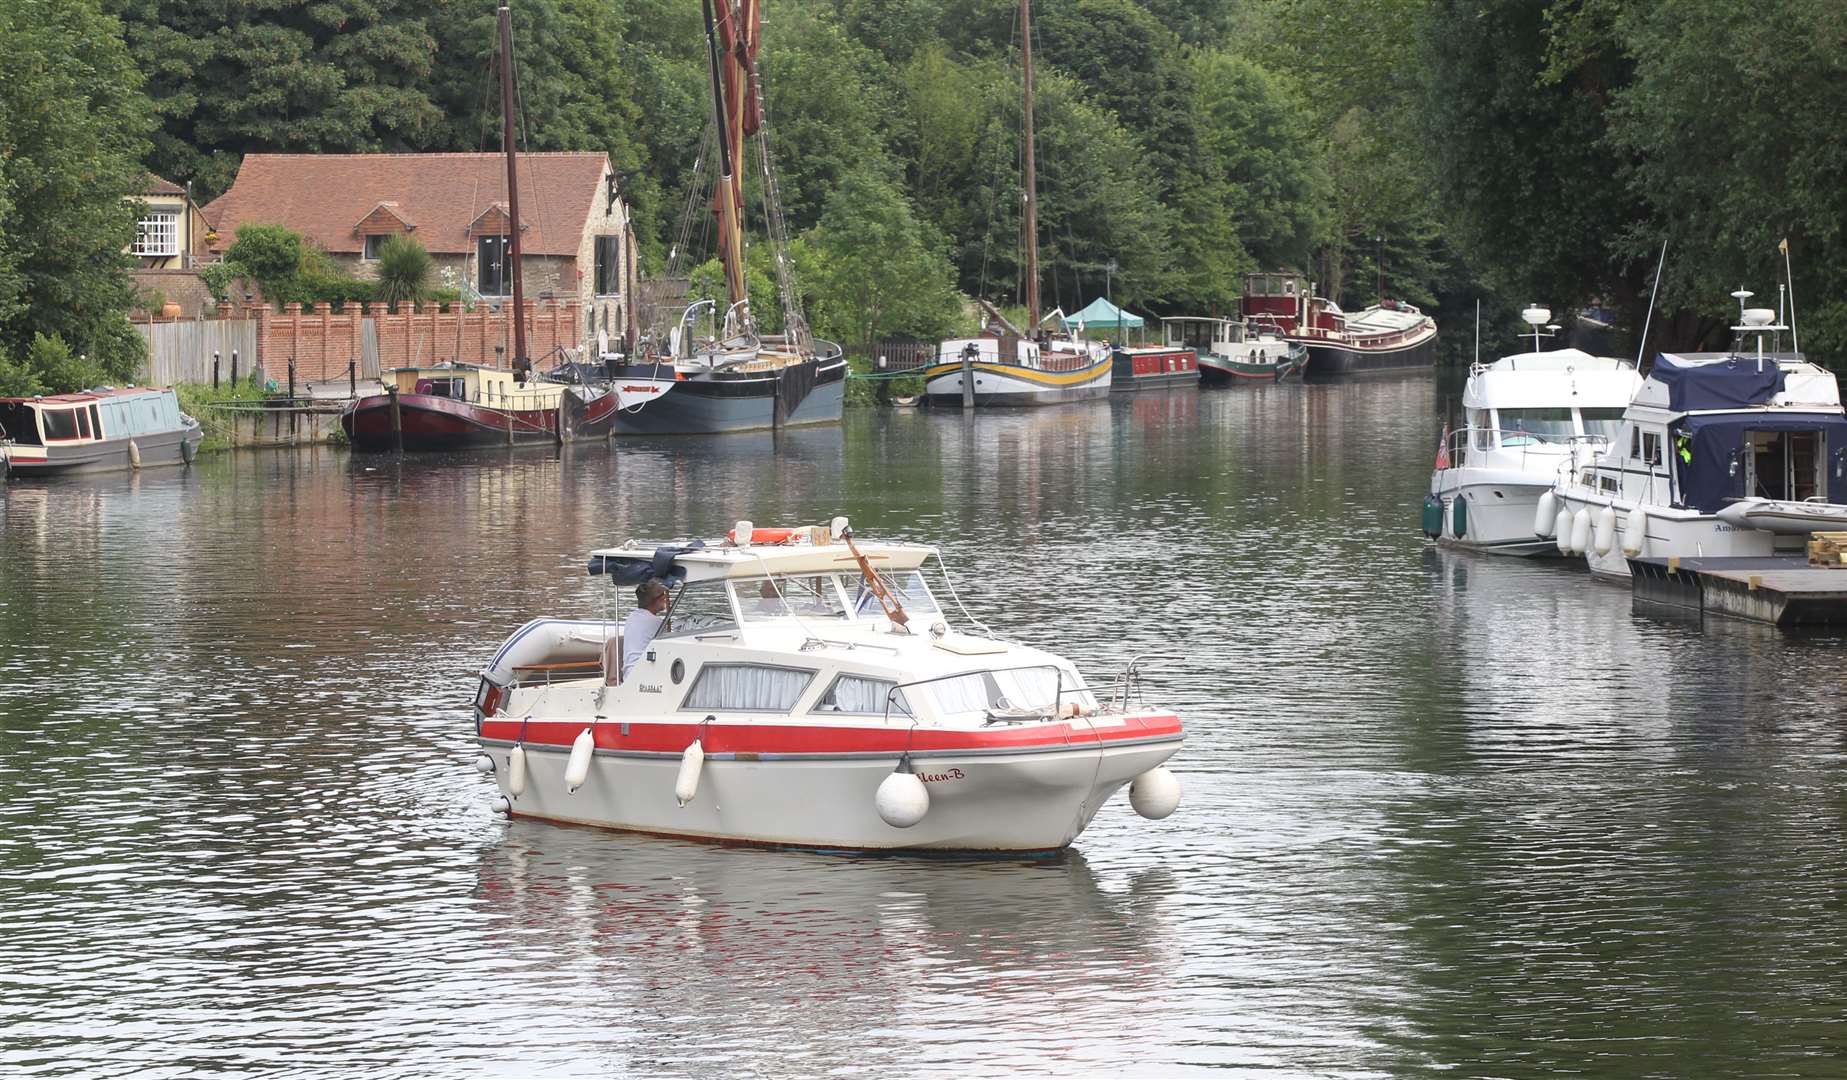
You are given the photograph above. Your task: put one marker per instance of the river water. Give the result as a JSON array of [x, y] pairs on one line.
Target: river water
[[1443, 814]]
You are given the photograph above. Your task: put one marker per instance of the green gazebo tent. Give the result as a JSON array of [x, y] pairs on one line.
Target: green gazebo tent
[[1104, 317]]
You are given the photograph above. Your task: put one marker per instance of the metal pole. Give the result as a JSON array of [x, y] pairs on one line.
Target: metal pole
[[520, 361], [352, 378], [397, 419], [1032, 180], [214, 369], [233, 369]]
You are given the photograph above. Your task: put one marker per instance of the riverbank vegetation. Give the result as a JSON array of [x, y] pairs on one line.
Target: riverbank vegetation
[[1439, 151]]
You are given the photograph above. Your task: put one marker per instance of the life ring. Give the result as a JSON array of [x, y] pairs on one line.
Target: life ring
[[766, 536]]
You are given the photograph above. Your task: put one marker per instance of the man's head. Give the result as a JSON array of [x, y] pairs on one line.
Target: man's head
[[651, 595]]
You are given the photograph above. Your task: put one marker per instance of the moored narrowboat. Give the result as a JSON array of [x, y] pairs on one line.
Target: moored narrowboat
[[95, 431]]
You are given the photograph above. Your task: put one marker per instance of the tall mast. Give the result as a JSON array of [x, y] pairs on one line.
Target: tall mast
[[731, 43], [1032, 180], [520, 361]]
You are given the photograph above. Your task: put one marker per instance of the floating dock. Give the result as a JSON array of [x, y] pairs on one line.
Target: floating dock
[[1781, 591]]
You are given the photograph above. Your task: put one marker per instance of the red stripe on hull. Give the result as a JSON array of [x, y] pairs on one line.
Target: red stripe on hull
[[748, 738]]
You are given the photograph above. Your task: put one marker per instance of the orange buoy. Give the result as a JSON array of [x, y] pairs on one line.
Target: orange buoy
[[767, 536]]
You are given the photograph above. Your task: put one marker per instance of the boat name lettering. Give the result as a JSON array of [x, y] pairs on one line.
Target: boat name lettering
[[939, 777], [650, 689], [649, 388]]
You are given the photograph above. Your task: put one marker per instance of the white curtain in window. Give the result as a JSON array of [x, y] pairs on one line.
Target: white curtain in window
[[748, 687], [1028, 688], [961, 695], [853, 694]]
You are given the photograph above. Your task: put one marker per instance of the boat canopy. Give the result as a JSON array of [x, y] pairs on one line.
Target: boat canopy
[[1103, 315], [1719, 440], [1695, 381], [694, 561]]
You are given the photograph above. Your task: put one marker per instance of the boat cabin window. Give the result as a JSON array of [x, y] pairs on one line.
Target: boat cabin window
[[1524, 427], [862, 696], [906, 586], [1481, 437], [1646, 447], [700, 607], [60, 423], [1606, 484], [1602, 422], [19, 422], [452, 387], [814, 596], [746, 688], [1784, 465]]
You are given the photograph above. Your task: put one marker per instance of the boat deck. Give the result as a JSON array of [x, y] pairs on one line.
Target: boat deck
[[1778, 590]]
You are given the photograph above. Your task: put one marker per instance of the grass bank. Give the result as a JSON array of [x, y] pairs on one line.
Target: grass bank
[[196, 400], [877, 392]]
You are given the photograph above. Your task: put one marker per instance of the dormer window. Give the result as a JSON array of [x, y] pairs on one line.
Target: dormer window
[[373, 244]]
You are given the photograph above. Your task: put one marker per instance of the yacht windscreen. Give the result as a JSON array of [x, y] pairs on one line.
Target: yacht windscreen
[[1551, 425], [700, 607], [906, 586], [1602, 422], [811, 597]]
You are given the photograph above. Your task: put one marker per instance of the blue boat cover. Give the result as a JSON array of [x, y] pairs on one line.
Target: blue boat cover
[[1726, 384], [634, 571], [1719, 440]]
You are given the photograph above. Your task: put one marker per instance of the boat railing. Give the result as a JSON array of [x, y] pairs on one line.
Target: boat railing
[[996, 713], [1462, 442]]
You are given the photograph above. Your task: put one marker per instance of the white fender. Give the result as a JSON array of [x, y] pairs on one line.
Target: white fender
[[516, 771], [686, 785], [1545, 514], [1635, 533], [1580, 531], [1604, 530], [134, 455], [902, 800], [484, 765], [1561, 528], [1155, 793], [577, 770]]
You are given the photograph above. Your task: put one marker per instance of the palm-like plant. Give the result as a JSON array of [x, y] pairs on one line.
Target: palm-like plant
[[404, 271]]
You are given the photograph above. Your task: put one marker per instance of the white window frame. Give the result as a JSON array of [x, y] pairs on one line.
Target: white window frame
[[157, 234]]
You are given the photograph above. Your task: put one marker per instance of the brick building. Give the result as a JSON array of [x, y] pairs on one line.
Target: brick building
[[573, 231]]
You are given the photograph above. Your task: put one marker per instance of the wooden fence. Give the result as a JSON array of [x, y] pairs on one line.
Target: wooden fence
[[181, 352], [898, 355]]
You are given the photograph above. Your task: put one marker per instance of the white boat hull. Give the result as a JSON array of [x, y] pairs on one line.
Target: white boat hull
[[979, 801], [1669, 533], [1498, 519]]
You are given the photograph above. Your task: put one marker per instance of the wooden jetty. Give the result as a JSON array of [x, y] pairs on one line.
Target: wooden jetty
[[1779, 590]]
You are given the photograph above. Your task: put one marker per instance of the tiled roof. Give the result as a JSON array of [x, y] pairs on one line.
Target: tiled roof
[[323, 196], [154, 185]]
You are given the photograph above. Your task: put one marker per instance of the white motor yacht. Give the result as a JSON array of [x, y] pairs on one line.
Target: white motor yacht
[[1525, 414], [809, 691], [1729, 454]]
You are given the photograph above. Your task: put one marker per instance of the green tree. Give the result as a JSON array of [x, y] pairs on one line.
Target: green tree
[[270, 255], [872, 270], [322, 77], [72, 124]]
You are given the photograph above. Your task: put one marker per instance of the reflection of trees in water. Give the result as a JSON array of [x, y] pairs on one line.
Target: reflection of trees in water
[[821, 955]]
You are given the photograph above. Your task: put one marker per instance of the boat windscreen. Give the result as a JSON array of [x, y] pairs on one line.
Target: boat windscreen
[[700, 607], [906, 586], [815, 596], [19, 423], [1602, 422], [1550, 425]]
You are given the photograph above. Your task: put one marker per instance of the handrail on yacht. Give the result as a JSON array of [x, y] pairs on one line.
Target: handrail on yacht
[[1058, 699]]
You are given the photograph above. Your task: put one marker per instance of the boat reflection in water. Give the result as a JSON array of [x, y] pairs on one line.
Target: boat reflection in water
[[818, 955]]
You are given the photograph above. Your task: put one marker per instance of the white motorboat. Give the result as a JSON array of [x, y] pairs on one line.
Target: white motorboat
[[809, 691], [1525, 415], [1713, 459], [1232, 351]]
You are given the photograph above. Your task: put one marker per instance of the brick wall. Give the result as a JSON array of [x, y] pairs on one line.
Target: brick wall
[[322, 342], [182, 286]]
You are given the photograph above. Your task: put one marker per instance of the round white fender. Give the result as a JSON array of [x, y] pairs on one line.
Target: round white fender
[[484, 765], [501, 805], [1561, 528], [1545, 514], [1635, 533], [686, 785], [1155, 793], [902, 800], [1605, 530], [1580, 531], [577, 770], [516, 771], [134, 454]]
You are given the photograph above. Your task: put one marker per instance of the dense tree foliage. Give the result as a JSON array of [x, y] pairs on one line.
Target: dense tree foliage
[[72, 135], [1436, 150]]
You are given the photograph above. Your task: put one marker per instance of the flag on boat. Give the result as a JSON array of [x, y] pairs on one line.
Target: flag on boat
[[1443, 447]]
